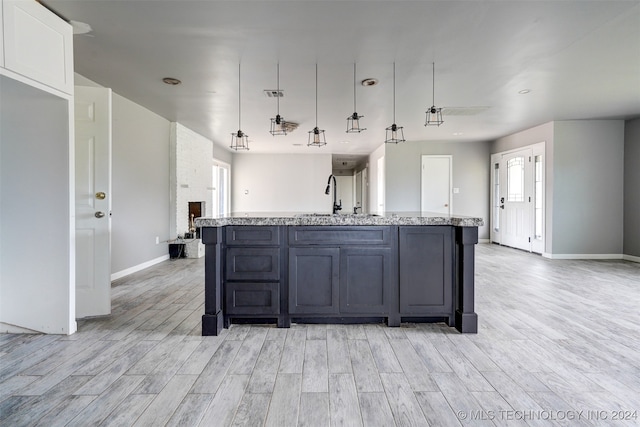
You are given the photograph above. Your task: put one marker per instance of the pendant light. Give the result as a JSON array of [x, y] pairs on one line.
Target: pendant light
[[316, 136], [239, 140], [353, 121], [394, 134], [434, 114], [277, 124]]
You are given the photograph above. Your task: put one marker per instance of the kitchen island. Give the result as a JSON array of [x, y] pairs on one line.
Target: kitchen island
[[280, 267]]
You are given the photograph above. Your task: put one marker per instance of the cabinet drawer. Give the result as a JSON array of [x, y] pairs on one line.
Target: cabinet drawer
[[253, 264], [307, 236], [252, 235], [252, 298]]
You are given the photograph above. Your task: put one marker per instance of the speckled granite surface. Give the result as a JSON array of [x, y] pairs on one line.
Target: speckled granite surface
[[290, 218]]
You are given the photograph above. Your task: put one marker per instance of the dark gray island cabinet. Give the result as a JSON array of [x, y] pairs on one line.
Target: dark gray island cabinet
[[339, 270]]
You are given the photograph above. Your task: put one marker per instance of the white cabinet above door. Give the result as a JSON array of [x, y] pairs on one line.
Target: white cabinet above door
[[37, 44]]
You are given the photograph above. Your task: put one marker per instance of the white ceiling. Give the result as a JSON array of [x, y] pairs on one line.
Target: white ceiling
[[579, 59]]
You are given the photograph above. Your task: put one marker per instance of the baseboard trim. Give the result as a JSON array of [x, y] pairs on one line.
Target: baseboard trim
[[484, 240], [583, 256], [631, 258], [7, 328], [136, 268]]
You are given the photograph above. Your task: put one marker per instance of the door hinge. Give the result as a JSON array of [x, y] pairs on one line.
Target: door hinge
[[529, 159], [529, 199], [529, 239]]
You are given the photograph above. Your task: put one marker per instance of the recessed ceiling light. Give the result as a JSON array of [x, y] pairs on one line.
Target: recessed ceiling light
[[344, 142], [297, 145], [171, 81], [524, 91], [369, 82], [457, 133]]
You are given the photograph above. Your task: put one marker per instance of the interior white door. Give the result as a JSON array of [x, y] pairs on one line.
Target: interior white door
[[515, 199], [436, 185], [93, 201]]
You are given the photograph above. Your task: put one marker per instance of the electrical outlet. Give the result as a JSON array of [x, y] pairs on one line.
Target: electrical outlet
[[157, 240]]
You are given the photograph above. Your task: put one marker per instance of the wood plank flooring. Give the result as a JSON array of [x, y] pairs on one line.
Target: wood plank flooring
[[558, 344]]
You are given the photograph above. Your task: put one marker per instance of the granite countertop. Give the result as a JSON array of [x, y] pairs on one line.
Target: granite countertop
[[324, 219]]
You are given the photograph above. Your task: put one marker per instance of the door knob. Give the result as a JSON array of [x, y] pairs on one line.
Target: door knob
[[501, 206], [99, 214], [446, 205], [100, 195]]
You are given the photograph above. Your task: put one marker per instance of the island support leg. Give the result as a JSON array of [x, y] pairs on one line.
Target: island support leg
[[212, 319], [466, 318]]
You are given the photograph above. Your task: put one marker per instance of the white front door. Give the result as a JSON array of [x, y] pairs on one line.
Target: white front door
[[515, 199], [436, 184], [93, 201]]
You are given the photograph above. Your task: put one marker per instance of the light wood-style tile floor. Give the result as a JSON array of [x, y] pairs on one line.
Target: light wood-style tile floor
[[559, 344]]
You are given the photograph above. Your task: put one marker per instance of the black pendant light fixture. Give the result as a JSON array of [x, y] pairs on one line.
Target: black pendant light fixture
[[239, 140], [434, 114], [277, 123], [395, 133], [353, 121], [316, 136]]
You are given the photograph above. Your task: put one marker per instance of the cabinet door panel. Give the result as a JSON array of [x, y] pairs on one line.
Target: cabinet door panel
[[364, 280], [314, 280], [253, 264], [426, 270], [252, 298], [38, 44]]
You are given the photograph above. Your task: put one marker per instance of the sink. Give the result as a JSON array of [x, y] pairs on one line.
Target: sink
[[307, 215]]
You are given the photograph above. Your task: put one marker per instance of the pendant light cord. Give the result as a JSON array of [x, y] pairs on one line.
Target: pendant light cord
[[394, 92], [239, 103], [316, 94], [433, 85], [354, 87], [278, 89]]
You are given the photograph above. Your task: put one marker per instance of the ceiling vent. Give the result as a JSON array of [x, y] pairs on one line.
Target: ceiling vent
[[273, 93], [464, 111]]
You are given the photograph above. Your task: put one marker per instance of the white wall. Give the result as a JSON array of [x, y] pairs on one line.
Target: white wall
[[192, 178], [588, 199], [280, 183], [372, 194], [471, 174], [140, 185], [37, 249]]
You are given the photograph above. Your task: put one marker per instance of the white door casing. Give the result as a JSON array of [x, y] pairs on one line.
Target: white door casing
[[93, 201], [436, 184]]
